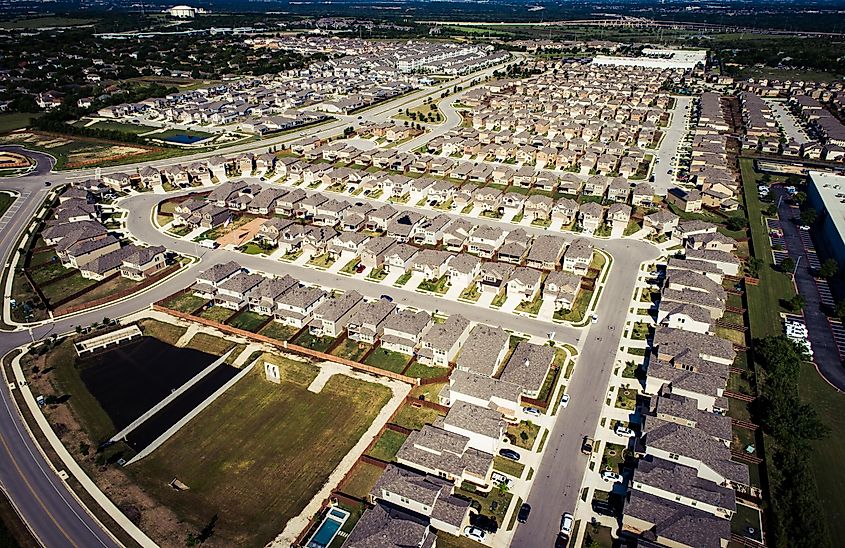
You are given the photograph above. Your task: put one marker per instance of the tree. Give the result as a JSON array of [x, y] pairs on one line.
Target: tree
[[796, 303], [829, 268], [754, 266], [737, 222], [787, 265], [800, 198], [808, 216]]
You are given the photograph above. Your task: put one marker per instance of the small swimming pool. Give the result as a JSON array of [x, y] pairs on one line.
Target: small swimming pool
[[329, 528]]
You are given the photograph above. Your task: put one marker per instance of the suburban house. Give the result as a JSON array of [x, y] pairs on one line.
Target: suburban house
[[546, 252], [562, 288], [442, 341], [332, 316], [366, 323], [528, 367], [403, 330], [484, 350], [578, 256], [296, 306], [143, 262]]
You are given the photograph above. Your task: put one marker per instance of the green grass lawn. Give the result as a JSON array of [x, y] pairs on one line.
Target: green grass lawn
[[626, 398], [493, 504], [248, 321], [579, 308], [531, 307], [764, 299], [362, 478], [101, 290], [439, 286], [523, 434], [217, 313], [320, 344], [163, 331], [237, 449], [322, 261], [403, 279], [66, 287], [415, 417], [471, 293], [186, 302], [388, 360], [351, 350], [16, 120], [507, 466], [387, 445], [133, 129], [421, 371], [613, 457], [216, 346], [278, 331], [827, 455]]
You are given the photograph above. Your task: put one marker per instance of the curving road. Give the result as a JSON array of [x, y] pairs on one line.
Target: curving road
[[57, 519]]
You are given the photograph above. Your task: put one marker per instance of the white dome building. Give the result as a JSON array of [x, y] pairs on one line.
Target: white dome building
[[182, 12]]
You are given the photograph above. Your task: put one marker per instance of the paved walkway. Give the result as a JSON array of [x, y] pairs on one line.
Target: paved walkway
[[327, 371]]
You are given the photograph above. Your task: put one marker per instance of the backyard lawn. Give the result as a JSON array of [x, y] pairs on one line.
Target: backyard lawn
[[216, 313], [278, 331], [186, 302], [351, 350], [215, 346], [64, 288], [387, 445], [248, 321], [421, 371], [361, 480], [238, 449], [162, 331], [320, 344], [388, 360], [415, 418]]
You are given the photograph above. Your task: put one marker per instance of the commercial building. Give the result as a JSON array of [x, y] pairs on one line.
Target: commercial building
[[826, 193]]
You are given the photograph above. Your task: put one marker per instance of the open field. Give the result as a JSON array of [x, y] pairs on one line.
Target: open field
[[238, 449], [827, 455], [16, 120], [41, 22]]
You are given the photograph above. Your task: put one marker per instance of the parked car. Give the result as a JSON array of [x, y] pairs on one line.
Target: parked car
[[607, 475], [533, 411], [624, 432], [804, 227], [475, 533], [387, 298], [509, 454], [566, 522], [524, 512], [47, 183], [587, 445], [361, 268], [564, 401], [594, 318], [500, 479]]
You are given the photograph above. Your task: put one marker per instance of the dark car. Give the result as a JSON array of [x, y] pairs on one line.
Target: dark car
[[47, 183], [524, 510], [387, 298], [587, 445], [509, 454]]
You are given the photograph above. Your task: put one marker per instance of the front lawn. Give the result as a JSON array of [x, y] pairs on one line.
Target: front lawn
[[237, 449], [531, 307], [626, 398], [388, 360], [439, 286], [508, 466], [403, 279], [579, 308], [522, 435], [377, 275], [349, 268], [613, 457], [322, 261], [471, 293]]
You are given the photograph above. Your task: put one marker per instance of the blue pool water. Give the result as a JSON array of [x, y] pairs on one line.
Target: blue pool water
[[328, 529], [184, 139]]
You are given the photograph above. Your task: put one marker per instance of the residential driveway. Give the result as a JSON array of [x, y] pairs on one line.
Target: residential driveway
[[485, 299], [511, 303], [825, 352], [341, 261], [547, 311]]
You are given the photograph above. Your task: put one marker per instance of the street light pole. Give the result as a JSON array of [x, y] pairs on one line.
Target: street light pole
[[794, 270]]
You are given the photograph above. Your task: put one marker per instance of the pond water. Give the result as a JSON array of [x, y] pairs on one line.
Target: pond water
[[183, 139], [130, 379]]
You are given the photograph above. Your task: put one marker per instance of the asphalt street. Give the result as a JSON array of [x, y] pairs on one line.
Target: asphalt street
[[55, 516]]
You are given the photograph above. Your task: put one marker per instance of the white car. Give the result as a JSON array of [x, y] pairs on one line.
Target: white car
[[533, 411], [594, 318], [475, 533], [611, 476], [624, 432], [500, 479], [804, 227], [566, 522], [564, 401]]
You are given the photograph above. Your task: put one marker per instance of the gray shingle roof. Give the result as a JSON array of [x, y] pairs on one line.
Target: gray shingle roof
[[482, 348]]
